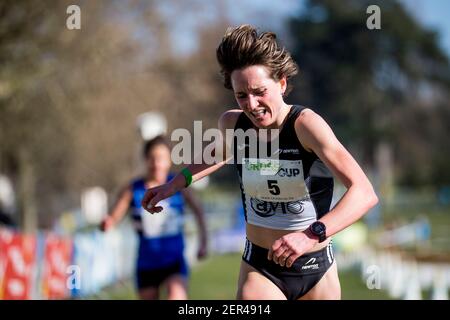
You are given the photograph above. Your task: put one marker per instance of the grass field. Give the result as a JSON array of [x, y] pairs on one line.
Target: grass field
[[216, 279]]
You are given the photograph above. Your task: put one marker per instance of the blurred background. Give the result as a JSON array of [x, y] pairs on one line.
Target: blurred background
[[70, 135]]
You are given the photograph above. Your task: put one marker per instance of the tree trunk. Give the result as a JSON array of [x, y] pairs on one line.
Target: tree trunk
[[27, 192]]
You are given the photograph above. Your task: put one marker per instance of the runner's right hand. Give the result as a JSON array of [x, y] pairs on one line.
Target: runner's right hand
[[153, 195]]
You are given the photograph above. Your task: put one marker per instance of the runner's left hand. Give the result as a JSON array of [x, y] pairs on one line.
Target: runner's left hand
[[202, 250], [289, 247]]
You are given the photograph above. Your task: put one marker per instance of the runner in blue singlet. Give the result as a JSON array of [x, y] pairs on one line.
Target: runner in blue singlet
[[160, 259]]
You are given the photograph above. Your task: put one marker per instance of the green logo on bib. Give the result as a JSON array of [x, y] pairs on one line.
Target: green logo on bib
[[258, 166]]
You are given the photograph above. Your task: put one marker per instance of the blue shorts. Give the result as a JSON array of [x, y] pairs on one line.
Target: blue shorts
[[154, 277]]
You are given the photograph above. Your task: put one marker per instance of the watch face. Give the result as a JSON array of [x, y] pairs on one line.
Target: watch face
[[318, 228]]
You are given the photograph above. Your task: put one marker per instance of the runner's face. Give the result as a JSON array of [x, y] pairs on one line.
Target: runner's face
[[258, 95], [158, 162]]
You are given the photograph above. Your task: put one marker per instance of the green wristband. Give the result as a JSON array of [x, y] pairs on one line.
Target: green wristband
[[187, 176]]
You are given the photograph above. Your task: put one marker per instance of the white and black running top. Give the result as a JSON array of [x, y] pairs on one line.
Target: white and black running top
[[288, 188]]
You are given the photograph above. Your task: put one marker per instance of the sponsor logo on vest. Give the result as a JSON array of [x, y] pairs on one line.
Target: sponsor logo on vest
[[267, 209], [293, 172], [294, 151], [257, 166], [285, 151]]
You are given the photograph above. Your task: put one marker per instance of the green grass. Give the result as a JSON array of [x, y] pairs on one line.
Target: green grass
[[353, 288], [216, 278]]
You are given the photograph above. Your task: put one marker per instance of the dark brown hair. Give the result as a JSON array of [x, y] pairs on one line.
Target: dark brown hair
[[242, 47], [150, 144]]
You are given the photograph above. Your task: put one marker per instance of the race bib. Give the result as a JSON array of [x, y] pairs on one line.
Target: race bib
[[274, 180], [168, 222]]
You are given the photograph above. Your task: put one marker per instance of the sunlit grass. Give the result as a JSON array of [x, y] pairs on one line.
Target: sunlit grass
[[216, 279]]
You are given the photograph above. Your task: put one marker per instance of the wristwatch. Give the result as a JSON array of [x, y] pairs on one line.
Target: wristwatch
[[318, 229]]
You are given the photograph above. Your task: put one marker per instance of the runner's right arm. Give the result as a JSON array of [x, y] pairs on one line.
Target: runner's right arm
[[222, 152]]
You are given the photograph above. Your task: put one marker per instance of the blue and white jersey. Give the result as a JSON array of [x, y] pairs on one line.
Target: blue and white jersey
[[161, 241]]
